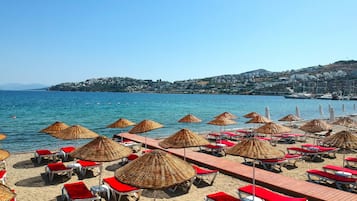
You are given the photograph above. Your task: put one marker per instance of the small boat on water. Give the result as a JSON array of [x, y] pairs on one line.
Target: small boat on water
[[299, 96]]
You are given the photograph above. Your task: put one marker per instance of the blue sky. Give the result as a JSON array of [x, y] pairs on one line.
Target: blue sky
[[57, 41]]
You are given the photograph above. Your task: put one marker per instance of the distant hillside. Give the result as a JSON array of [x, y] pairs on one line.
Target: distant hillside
[[340, 76]]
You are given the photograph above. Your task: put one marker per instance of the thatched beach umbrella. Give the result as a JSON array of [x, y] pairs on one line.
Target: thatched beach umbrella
[[101, 149], [255, 149], [121, 123], [290, 118], [182, 139], [315, 125], [145, 126], [2, 136], [258, 120], [55, 127], [6, 194], [272, 128], [344, 140], [346, 121], [226, 115], [251, 115], [4, 154], [155, 170], [222, 122], [190, 118], [75, 132]]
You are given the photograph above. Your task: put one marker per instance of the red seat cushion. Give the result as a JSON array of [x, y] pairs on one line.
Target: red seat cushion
[[338, 168], [78, 190], [87, 163], [351, 159], [118, 186], [203, 171], [332, 176], [68, 149], [132, 157], [2, 173], [56, 166], [268, 195], [43, 152], [222, 196], [211, 146]]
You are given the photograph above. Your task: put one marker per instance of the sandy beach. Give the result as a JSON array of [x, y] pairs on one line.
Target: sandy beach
[[30, 183]]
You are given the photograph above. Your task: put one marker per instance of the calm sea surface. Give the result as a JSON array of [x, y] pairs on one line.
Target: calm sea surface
[[35, 110]]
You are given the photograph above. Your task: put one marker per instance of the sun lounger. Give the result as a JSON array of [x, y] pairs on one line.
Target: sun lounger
[[327, 150], [64, 152], [266, 194], [44, 154], [270, 164], [231, 135], [325, 177], [87, 165], [202, 173], [220, 196], [214, 136], [225, 143], [340, 170], [135, 146], [3, 176], [213, 149], [351, 162], [77, 191], [57, 168], [120, 189], [305, 152]]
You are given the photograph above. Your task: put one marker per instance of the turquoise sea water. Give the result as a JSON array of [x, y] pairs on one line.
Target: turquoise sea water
[[35, 110]]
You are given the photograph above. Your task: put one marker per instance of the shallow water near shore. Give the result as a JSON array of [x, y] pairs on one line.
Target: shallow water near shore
[[24, 113]]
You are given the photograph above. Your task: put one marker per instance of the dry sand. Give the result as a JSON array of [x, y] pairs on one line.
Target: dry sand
[[30, 183]]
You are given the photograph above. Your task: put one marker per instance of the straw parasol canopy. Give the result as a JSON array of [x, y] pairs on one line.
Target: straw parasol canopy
[[145, 126], [255, 149], [259, 120], [316, 125], [101, 149], [227, 115], [190, 119], [272, 128], [75, 132], [290, 117], [183, 138], [2, 136], [121, 123], [346, 121], [6, 194], [344, 140], [4, 154], [55, 127], [155, 170], [222, 122], [251, 115]]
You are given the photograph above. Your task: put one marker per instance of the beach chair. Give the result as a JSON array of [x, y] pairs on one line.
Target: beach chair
[[220, 196], [3, 174], [331, 151], [64, 152], [326, 177], [214, 136], [77, 191], [225, 143], [312, 154], [44, 154], [202, 174], [265, 194], [120, 189], [213, 149], [57, 168], [271, 164], [340, 170], [87, 165], [231, 135], [351, 162]]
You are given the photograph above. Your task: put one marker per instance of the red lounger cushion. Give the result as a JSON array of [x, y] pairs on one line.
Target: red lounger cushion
[[338, 168], [118, 186], [332, 176], [132, 157], [56, 166], [43, 152], [68, 149], [203, 171], [222, 196], [2, 173], [211, 146], [268, 195], [351, 159], [87, 163], [78, 190]]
